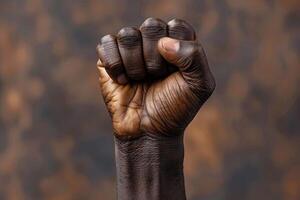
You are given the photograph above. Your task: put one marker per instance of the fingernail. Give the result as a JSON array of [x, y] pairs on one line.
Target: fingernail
[[122, 79], [170, 44]]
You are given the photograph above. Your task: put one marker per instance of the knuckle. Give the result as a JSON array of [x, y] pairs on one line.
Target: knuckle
[[129, 37], [127, 31], [109, 54], [108, 50], [181, 29], [153, 22], [153, 28], [107, 38], [176, 22], [115, 68]]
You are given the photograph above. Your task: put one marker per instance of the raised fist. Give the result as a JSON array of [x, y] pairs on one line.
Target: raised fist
[[153, 79]]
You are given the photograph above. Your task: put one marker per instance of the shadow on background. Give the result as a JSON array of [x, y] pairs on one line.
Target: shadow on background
[[55, 133]]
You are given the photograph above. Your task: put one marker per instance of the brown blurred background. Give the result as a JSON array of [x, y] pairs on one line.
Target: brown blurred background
[[55, 133]]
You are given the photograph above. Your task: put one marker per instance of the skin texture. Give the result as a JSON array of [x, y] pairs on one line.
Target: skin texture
[[153, 80]]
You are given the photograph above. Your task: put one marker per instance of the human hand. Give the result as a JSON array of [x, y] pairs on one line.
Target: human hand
[[153, 79]]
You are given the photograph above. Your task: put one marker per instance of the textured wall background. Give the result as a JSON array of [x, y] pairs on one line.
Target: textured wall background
[[55, 134]]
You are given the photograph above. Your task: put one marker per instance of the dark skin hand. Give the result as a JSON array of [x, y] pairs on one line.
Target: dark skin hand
[[154, 80]]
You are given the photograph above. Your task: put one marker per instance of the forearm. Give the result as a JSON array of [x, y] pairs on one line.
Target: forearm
[[150, 168], [142, 93]]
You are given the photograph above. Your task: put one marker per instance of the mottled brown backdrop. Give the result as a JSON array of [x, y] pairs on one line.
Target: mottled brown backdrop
[[55, 133]]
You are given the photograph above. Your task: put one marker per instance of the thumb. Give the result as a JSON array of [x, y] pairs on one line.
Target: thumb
[[191, 61]]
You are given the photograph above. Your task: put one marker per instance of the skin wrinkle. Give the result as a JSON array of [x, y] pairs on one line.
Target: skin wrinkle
[[151, 120], [168, 99], [180, 29], [115, 68], [162, 107], [129, 41], [110, 55], [151, 111], [142, 103], [162, 111], [130, 48], [170, 96], [155, 110], [152, 30]]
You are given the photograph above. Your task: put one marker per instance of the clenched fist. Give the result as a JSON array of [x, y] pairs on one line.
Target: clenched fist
[[153, 79]]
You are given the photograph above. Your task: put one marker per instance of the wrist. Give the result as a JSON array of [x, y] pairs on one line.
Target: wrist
[[150, 168]]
